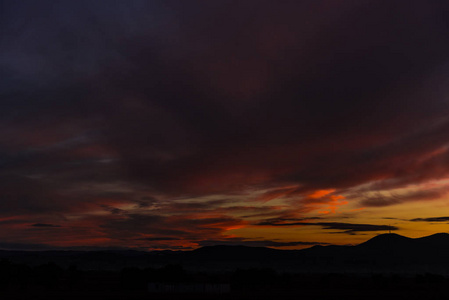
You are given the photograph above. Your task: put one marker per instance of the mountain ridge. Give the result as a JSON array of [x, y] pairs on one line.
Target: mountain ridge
[[383, 253]]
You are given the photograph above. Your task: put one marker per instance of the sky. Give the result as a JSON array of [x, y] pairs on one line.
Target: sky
[[173, 124]]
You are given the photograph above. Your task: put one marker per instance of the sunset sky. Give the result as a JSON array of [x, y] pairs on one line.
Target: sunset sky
[[176, 124]]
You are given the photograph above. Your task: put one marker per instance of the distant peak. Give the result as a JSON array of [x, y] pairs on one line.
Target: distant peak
[[440, 235], [394, 238], [385, 238], [390, 236]]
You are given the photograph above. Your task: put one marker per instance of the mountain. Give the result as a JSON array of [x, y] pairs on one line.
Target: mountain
[[388, 240], [400, 253], [394, 243], [383, 253], [435, 239]]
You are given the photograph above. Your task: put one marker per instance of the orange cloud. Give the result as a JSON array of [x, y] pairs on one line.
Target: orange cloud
[[334, 203], [320, 193], [323, 198]]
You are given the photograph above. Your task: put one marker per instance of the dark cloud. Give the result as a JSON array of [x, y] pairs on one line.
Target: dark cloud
[[355, 228], [348, 228], [47, 247], [24, 195], [151, 239], [258, 243], [381, 200], [288, 220], [25, 246], [159, 84], [107, 105], [113, 210], [189, 227], [44, 225], [435, 219]]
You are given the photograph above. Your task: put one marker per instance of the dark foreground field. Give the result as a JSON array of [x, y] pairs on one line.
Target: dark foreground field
[[274, 286]]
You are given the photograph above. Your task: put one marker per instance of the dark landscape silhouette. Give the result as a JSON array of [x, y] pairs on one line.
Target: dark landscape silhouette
[[388, 266]]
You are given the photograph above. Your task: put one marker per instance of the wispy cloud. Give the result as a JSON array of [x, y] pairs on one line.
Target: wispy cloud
[[44, 225], [434, 219], [348, 228]]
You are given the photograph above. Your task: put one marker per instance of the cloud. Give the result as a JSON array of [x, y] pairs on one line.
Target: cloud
[[24, 195], [113, 210], [348, 228], [355, 228], [258, 243], [25, 246], [277, 114], [151, 239], [435, 219], [178, 227], [44, 225], [185, 126], [390, 198], [137, 111]]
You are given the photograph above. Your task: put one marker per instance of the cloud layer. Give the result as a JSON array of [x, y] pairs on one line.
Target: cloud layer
[[175, 122]]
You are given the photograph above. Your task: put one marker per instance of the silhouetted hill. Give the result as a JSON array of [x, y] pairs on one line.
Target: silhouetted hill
[[385, 247], [435, 239], [325, 250], [395, 243], [388, 240], [383, 253]]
